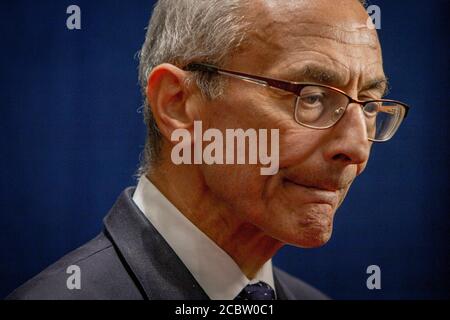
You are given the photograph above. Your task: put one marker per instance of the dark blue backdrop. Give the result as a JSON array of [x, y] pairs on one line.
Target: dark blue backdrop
[[71, 135]]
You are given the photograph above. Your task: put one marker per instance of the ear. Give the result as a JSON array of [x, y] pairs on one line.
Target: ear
[[168, 95]]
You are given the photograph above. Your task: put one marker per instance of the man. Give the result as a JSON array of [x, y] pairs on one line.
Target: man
[[311, 70]]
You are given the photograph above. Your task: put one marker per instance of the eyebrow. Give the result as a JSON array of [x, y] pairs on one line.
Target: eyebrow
[[323, 75], [380, 84], [320, 74]]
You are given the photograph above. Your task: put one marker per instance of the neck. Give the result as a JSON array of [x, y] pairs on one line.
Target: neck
[[184, 186]]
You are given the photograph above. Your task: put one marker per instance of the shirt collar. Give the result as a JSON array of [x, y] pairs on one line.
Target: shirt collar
[[214, 270]]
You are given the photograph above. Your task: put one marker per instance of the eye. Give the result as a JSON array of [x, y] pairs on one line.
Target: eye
[[312, 100], [371, 109]]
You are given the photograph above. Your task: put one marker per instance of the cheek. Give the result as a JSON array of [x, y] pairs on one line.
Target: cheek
[[297, 145], [239, 186]]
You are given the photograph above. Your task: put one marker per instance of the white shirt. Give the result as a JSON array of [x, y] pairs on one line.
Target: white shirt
[[215, 271]]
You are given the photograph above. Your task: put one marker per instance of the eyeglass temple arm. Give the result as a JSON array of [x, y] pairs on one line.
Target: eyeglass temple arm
[[283, 85]]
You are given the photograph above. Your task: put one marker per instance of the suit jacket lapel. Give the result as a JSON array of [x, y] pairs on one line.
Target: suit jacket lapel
[[159, 271], [283, 292]]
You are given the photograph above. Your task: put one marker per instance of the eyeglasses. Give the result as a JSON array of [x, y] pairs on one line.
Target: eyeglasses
[[320, 106]]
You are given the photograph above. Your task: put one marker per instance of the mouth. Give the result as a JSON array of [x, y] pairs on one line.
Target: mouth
[[315, 194]]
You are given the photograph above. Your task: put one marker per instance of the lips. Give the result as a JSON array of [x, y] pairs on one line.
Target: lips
[[322, 195], [332, 182]]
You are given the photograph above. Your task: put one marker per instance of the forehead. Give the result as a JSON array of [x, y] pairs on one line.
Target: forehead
[[285, 35]]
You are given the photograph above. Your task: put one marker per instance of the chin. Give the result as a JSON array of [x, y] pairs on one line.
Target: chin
[[314, 227], [312, 236], [314, 239]]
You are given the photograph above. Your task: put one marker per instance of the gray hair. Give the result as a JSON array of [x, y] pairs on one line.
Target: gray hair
[[182, 31]]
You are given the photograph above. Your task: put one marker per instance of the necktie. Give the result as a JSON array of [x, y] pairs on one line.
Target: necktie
[[257, 291]]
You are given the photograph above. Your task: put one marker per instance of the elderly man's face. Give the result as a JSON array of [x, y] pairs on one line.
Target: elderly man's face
[[331, 41]]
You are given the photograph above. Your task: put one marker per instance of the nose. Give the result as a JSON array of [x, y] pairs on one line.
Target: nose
[[349, 143]]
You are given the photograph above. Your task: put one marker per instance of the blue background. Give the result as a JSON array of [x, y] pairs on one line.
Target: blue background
[[71, 134]]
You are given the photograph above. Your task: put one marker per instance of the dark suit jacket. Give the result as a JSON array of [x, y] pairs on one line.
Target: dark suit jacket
[[130, 260]]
